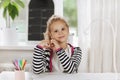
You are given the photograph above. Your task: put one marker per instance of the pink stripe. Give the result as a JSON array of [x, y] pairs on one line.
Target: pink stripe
[[72, 49], [39, 46]]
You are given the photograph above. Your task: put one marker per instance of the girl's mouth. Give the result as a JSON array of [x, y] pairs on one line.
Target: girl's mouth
[[61, 37]]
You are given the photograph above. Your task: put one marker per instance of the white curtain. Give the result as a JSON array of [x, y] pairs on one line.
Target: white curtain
[[99, 35]]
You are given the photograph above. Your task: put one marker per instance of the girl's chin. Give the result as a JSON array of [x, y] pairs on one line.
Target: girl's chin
[[62, 41]]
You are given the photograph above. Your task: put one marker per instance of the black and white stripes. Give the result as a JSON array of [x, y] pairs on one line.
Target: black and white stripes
[[41, 60], [70, 64]]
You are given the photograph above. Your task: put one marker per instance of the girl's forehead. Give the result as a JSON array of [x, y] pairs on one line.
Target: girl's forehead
[[58, 23]]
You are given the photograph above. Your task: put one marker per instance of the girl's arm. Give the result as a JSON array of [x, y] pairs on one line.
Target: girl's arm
[[70, 64], [40, 63]]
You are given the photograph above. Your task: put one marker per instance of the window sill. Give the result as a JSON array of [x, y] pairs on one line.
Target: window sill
[[18, 46]]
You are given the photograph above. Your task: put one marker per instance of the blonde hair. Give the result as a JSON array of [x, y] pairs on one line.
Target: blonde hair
[[50, 21]]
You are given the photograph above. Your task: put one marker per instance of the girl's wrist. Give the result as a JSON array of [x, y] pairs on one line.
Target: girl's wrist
[[39, 46]]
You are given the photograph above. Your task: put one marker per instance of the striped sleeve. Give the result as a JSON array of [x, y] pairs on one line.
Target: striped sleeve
[[70, 64], [40, 60]]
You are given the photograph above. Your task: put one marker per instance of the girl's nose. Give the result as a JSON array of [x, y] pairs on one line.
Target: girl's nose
[[60, 32]]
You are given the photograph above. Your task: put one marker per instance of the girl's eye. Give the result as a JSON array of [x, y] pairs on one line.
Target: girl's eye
[[63, 29], [56, 31]]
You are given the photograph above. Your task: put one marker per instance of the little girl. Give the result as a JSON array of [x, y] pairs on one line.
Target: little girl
[[54, 53]]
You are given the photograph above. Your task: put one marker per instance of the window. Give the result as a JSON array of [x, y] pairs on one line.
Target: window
[[31, 22], [39, 12], [20, 23], [70, 13], [27, 27]]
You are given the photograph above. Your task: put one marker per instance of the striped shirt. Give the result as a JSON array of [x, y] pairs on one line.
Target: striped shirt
[[42, 60]]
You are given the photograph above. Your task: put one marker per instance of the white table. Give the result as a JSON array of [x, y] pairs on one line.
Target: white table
[[62, 76], [10, 75]]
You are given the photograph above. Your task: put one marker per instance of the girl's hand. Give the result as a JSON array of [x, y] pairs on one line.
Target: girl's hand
[[54, 44], [45, 43]]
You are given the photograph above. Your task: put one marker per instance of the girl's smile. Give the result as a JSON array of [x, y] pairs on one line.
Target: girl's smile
[[61, 37]]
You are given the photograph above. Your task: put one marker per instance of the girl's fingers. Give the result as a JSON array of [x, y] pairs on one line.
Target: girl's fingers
[[53, 41], [54, 44], [45, 43]]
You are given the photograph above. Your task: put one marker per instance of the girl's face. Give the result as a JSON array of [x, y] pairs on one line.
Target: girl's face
[[59, 31]]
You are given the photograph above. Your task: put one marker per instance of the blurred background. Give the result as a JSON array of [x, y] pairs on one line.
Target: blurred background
[[94, 26]]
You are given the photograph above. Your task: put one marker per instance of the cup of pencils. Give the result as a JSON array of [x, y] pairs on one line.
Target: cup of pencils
[[19, 69]]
